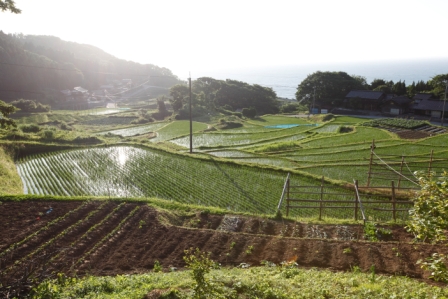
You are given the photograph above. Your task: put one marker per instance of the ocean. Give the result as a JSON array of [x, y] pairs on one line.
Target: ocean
[[285, 79]]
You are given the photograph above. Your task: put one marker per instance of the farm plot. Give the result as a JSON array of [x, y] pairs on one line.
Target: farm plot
[[277, 119], [176, 129], [109, 121], [213, 140], [360, 135], [137, 130], [130, 171], [109, 238], [328, 128]]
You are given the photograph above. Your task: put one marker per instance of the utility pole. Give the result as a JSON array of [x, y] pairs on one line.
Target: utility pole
[[191, 120]]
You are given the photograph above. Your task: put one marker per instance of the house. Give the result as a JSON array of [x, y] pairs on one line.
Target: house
[[397, 105], [430, 106], [364, 99]]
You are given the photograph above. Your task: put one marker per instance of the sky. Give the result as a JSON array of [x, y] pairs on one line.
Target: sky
[[191, 36]]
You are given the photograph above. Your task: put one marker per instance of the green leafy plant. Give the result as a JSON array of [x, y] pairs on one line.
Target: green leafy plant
[[429, 217], [436, 265], [141, 223], [232, 245], [374, 233], [201, 264], [249, 249], [372, 274], [347, 250], [370, 231], [157, 266]]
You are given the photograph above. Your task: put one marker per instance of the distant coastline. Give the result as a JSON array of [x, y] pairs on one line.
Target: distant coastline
[[285, 79]]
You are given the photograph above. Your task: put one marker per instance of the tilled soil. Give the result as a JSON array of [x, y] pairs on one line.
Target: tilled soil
[[106, 238]]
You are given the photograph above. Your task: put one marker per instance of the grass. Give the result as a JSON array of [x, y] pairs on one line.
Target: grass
[[9, 178], [261, 282]]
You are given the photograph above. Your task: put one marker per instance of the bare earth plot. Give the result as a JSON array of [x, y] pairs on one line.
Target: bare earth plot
[[108, 238]]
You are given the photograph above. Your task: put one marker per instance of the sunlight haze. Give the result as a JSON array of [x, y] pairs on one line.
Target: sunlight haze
[[194, 35]]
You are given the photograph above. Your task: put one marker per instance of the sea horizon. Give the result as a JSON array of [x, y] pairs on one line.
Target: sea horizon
[[284, 79]]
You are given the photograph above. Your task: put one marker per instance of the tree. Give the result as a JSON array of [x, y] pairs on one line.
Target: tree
[[9, 5], [438, 85], [376, 83], [5, 111], [179, 94], [327, 87], [399, 88]]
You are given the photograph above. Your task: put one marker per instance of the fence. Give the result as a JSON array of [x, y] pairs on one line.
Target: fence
[[344, 203], [401, 168]]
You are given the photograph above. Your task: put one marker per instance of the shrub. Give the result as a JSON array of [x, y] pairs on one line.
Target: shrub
[[429, 217], [30, 128], [201, 264], [289, 108], [436, 265], [47, 134]]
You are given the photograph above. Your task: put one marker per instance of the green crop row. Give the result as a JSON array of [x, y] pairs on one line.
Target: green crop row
[[396, 122]]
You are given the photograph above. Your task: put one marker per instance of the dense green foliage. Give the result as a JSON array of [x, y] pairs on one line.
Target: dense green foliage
[[5, 111], [30, 106], [327, 87], [330, 88], [429, 217], [396, 122], [212, 94]]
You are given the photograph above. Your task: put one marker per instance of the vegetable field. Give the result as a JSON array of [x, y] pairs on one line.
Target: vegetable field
[[106, 238]]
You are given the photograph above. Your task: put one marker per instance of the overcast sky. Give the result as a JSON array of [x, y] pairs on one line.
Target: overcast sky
[[215, 34]]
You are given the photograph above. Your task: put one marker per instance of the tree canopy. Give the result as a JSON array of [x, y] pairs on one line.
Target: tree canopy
[[9, 5], [328, 87], [212, 94], [5, 111]]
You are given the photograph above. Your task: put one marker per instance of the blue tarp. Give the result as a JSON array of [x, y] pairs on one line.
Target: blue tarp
[[290, 126]]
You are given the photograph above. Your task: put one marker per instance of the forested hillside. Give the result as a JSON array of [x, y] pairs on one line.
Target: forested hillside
[[39, 67]]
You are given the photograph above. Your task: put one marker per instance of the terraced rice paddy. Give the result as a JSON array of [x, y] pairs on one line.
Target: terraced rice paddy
[[135, 172]]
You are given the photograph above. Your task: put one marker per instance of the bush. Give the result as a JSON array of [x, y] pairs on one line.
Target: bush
[[201, 264], [30, 106], [30, 128], [289, 108], [327, 117], [47, 134], [429, 217]]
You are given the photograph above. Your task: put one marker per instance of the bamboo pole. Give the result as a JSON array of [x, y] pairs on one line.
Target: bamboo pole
[[372, 147]]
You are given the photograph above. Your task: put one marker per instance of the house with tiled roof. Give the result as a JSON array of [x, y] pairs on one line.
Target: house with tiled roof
[[365, 99], [430, 107], [397, 105]]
